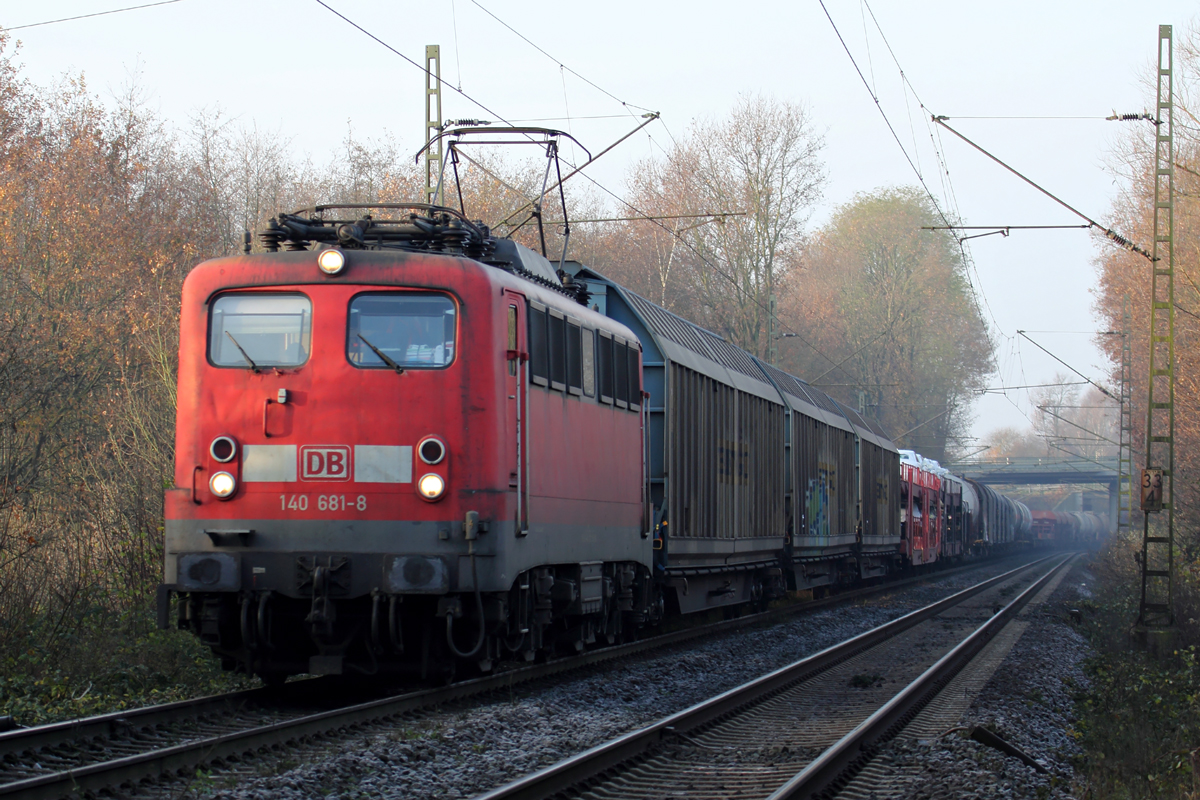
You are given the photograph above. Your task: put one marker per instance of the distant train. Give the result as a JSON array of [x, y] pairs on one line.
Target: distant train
[[404, 444], [1068, 528]]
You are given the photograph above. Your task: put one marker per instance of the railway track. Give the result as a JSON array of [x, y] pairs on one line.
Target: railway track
[[808, 729], [124, 748]]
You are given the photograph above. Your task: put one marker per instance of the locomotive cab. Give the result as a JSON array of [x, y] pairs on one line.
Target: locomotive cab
[[387, 460]]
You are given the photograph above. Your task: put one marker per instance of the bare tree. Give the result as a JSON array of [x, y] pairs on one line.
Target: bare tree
[[761, 162]]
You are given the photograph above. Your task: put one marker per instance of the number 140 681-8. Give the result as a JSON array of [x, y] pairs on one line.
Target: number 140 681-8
[[325, 502]]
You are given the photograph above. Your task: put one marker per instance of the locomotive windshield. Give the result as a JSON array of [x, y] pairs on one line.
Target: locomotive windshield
[[260, 330], [411, 330]]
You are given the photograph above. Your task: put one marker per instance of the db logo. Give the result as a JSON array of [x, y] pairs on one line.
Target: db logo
[[324, 463]]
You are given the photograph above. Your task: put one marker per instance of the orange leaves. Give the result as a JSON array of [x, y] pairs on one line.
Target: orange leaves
[[889, 308]]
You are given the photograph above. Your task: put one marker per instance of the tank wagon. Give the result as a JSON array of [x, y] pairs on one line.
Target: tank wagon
[[404, 444], [1068, 528], [997, 523]]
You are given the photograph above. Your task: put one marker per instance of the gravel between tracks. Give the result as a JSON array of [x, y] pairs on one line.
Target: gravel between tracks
[[459, 752], [1028, 701]]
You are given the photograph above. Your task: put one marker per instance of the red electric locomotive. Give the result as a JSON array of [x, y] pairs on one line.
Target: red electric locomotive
[[369, 472]]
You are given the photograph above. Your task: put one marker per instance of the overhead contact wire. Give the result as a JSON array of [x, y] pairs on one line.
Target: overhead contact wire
[[561, 65], [943, 174], [424, 69], [578, 170], [89, 16], [920, 177]]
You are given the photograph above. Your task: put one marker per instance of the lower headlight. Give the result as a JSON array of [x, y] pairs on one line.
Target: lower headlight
[[431, 486], [222, 485]]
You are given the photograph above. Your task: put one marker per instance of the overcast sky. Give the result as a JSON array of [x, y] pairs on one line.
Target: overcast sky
[[296, 69]]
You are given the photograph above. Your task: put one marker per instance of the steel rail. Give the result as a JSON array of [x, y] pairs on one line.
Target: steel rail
[[22, 740], [192, 754], [54, 734], [829, 772], [591, 763]]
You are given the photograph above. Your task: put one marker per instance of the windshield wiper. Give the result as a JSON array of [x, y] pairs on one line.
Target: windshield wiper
[[246, 356], [382, 356]]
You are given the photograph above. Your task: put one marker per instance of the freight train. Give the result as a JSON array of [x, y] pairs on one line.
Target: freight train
[[404, 444]]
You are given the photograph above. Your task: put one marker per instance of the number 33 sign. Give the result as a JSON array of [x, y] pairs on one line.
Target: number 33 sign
[[1152, 490]]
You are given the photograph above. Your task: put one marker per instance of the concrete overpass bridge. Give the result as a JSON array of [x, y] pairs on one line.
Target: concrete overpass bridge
[[1046, 471]]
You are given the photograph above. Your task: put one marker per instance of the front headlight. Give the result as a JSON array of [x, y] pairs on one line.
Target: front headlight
[[331, 262], [431, 486], [222, 485]]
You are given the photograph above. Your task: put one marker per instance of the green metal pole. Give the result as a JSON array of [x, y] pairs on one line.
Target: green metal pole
[[433, 121], [1125, 452], [1158, 537]]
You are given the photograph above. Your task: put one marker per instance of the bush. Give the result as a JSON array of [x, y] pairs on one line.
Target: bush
[[1139, 722], [112, 663]]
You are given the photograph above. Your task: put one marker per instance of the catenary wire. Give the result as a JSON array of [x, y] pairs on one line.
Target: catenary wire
[[943, 172], [1107, 231], [732, 281], [88, 16], [737, 287], [561, 65], [1068, 366], [939, 148], [366, 32], [920, 177], [457, 58]]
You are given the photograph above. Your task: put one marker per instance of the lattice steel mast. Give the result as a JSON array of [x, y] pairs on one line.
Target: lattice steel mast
[[1125, 451], [433, 121], [1158, 539]]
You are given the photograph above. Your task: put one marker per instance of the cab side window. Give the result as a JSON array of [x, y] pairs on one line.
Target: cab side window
[[574, 358], [604, 360], [539, 347], [635, 381], [558, 351], [589, 362]]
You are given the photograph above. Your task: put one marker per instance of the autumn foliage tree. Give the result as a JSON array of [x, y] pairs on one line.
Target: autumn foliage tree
[[885, 309]]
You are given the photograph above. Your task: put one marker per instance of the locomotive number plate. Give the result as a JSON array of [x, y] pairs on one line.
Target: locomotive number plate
[[325, 502]]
